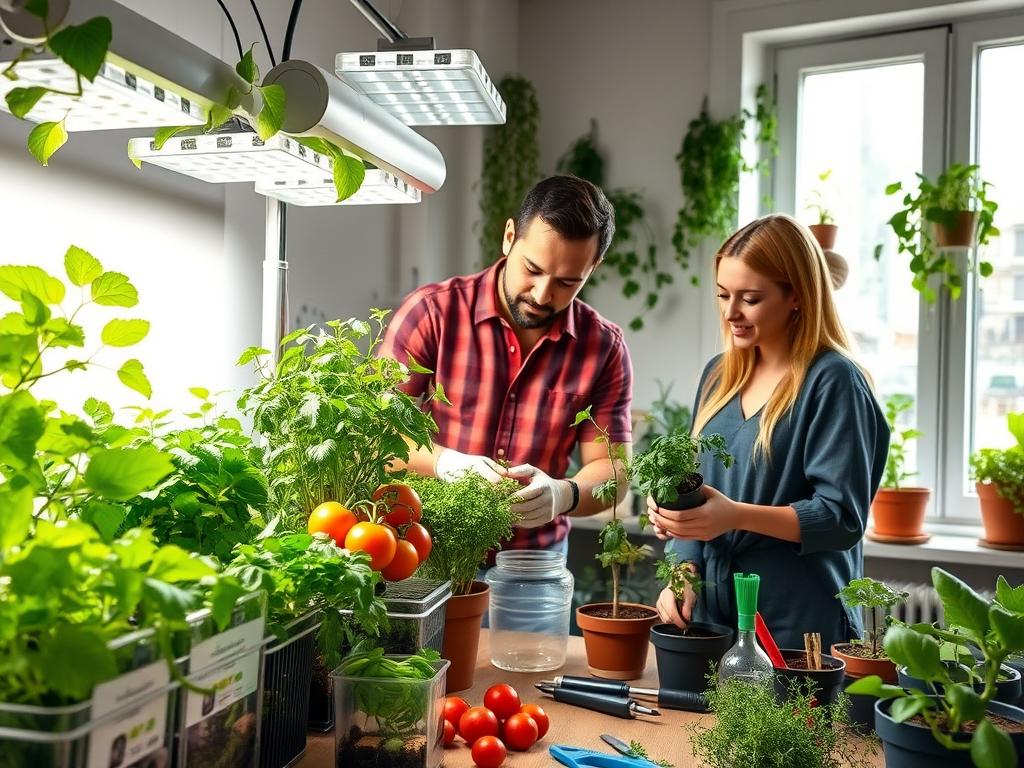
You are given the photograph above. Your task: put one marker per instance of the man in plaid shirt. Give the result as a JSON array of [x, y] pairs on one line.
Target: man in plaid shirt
[[518, 355]]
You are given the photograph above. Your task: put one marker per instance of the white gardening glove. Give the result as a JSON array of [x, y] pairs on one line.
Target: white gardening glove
[[544, 499], [451, 464]]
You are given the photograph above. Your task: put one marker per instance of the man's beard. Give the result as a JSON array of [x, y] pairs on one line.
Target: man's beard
[[519, 316]]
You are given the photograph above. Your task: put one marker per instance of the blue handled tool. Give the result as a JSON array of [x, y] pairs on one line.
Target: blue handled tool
[[575, 757]]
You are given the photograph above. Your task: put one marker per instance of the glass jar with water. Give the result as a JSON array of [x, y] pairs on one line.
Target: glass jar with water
[[531, 599]]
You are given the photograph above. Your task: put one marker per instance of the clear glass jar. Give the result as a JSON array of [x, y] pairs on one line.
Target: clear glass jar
[[530, 603]]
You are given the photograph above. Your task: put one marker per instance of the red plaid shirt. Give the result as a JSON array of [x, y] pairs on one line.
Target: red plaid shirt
[[504, 405]]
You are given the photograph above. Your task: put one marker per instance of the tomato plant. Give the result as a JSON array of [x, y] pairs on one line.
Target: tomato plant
[[403, 503], [476, 722], [454, 708], [502, 700], [403, 564], [540, 717], [419, 537], [519, 732], [333, 519], [375, 540], [449, 732], [488, 752]]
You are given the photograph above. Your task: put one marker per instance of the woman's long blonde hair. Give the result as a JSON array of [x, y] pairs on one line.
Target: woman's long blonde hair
[[784, 251]]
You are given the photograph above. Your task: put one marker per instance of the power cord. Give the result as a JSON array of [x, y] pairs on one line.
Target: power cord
[[234, 29], [293, 17], [263, 31]]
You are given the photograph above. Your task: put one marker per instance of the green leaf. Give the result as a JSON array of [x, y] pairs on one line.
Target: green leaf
[[892, 189], [251, 354], [1009, 628], [171, 600], [38, 8], [34, 310], [83, 47], [121, 473], [985, 269], [349, 173], [904, 709], [962, 605], [124, 333], [133, 377], [21, 100], [224, 595], [271, 116], [247, 69], [15, 280], [82, 267], [136, 160], [582, 416], [173, 564], [415, 367], [219, 114], [201, 392], [992, 747], [74, 659], [966, 700], [22, 423], [162, 135], [1011, 598], [919, 653], [112, 289], [105, 518], [17, 515]]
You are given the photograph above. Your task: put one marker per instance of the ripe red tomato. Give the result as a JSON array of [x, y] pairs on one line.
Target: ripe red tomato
[[449, 733], [519, 732], [540, 717], [403, 564], [419, 537], [476, 722], [488, 752], [333, 519], [376, 540], [502, 700], [454, 708], [403, 503]]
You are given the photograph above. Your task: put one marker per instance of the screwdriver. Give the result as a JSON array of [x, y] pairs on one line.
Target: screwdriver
[[689, 701], [599, 702]]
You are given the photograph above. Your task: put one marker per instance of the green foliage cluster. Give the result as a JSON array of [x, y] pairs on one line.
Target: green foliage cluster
[[818, 201], [871, 594], [638, 750], [511, 163], [958, 188], [466, 518], [387, 691], [994, 629], [895, 462], [1004, 468], [677, 576], [671, 460]]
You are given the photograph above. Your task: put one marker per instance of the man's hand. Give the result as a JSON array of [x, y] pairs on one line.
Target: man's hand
[[542, 500], [451, 464]]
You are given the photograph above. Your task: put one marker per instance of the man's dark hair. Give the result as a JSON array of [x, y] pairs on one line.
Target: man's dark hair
[[575, 208]]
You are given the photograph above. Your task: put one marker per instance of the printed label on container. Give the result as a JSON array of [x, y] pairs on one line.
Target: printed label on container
[[139, 732], [231, 681]]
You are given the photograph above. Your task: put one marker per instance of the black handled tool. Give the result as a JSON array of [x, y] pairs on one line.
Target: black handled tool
[[689, 701], [599, 702]]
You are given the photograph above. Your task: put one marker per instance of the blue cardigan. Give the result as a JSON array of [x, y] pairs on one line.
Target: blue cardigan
[[828, 455]]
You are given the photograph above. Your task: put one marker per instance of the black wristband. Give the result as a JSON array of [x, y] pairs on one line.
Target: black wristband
[[575, 495]]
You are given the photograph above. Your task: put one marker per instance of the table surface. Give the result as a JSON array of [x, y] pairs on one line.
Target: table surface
[[664, 737]]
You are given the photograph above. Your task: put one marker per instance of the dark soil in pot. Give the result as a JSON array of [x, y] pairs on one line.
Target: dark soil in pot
[[690, 495], [625, 612], [1008, 691], [684, 656], [824, 683], [360, 750]]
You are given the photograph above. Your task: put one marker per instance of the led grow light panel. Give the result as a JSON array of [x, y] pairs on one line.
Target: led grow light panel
[[229, 157], [379, 188], [426, 87], [115, 99]]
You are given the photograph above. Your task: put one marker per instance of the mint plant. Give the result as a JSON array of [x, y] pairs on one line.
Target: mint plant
[[1004, 468], [671, 462]]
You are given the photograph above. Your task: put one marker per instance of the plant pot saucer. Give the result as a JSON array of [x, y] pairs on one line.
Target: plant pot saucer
[[885, 539], [1003, 547]]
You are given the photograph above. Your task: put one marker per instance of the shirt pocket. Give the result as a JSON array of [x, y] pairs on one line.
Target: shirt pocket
[[559, 409]]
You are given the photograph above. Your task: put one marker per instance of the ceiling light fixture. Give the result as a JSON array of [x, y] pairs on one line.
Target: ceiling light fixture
[[378, 188]]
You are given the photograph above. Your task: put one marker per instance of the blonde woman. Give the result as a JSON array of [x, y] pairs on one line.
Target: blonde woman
[[808, 437]]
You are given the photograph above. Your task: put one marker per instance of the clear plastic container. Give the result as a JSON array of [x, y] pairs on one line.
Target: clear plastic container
[[530, 604]]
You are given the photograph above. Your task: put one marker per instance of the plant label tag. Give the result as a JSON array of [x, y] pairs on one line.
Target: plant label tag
[[140, 728], [228, 663]]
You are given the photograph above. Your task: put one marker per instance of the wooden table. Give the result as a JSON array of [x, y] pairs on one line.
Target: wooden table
[[665, 737]]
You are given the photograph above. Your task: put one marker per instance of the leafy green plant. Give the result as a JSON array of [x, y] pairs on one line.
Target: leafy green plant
[[671, 463], [511, 163], [638, 750], [896, 460], [333, 416], [958, 188], [466, 518], [677, 576], [1004, 468], [818, 200], [617, 551], [872, 595], [626, 257], [710, 163], [750, 728], [995, 629]]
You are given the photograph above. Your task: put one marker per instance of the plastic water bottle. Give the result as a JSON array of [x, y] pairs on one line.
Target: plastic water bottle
[[745, 660]]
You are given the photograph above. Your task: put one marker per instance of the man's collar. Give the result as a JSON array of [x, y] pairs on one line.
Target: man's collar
[[488, 306]]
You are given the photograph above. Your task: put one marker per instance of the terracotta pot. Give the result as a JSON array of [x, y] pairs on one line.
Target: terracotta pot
[[858, 666], [616, 648], [1002, 524], [961, 234], [825, 234], [463, 616], [900, 511]]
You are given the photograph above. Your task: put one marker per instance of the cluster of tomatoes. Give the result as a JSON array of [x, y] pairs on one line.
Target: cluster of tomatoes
[[388, 530], [502, 723]]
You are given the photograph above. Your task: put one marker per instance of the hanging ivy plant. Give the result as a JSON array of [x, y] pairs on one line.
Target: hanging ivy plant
[[710, 163], [511, 163], [632, 254]]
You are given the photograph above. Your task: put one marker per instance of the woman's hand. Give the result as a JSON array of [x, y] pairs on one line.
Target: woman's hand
[[671, 610], [711, 519]]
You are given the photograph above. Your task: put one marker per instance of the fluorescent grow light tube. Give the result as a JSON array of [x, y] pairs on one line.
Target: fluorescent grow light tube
[[230, 157], [426, 87], [379, 188]]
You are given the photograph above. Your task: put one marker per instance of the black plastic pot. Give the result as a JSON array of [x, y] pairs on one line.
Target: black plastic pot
[[1007, 691], [687, 499], [862, 708], [908, 745], [823, 684], [287, 675], [683, 659]]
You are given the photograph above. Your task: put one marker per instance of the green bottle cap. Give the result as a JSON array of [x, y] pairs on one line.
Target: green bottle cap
[[746, 599]]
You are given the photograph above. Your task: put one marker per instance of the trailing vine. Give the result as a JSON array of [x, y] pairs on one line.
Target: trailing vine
[[511, 163]]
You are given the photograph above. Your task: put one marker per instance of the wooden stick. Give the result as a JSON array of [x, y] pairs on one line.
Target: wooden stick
[[812, 647]]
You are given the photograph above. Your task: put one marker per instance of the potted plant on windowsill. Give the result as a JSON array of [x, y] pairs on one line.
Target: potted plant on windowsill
[[960, 726], [898, 511], [615, 634], [669, 469], [824, 229], [1000, 485]]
